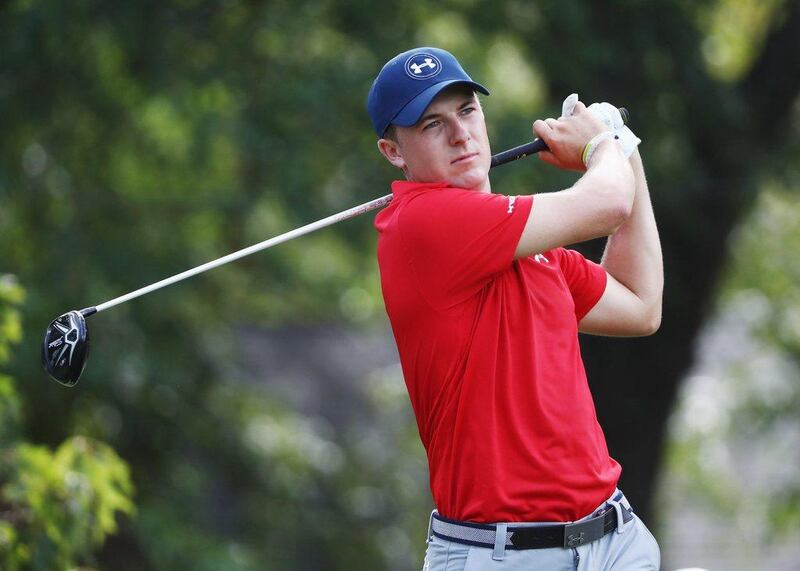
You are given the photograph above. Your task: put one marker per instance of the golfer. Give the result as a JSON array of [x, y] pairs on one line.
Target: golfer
[[486, 303]]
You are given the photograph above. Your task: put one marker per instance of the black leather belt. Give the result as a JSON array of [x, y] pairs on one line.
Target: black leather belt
[[531, 537]]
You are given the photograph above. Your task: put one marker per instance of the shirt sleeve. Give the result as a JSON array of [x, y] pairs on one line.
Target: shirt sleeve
[[585, 279], [458, 240]]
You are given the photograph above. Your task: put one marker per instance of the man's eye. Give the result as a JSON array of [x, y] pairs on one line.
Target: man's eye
[[467, 110], [430, 125]]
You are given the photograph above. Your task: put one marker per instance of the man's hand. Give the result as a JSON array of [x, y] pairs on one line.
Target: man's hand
[[610, 116], [566, 137]]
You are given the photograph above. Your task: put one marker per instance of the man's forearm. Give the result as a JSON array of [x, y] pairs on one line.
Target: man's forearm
[[633, 253]]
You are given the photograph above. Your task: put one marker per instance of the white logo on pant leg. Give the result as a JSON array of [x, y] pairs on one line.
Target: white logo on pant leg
[[541, 259]]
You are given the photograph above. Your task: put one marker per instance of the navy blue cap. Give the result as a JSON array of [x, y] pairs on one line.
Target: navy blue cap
[[408, 83]]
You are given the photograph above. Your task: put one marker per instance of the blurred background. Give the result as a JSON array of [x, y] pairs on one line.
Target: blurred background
[[255, 417]]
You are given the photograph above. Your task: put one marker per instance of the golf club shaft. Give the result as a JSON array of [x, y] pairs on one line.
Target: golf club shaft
[[501, 158], [333, 219]]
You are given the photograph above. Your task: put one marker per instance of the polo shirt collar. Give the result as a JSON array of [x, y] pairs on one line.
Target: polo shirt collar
[[401, 187]]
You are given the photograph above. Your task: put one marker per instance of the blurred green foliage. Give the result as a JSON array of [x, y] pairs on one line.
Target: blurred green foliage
[[734, 437], [61, 505], [56, 508], [11, 295], [734, 448], [735, 35], [142, 138], [735, 441]]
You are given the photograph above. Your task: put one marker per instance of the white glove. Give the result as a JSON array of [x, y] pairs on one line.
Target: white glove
[[612, 119], [568, 106]]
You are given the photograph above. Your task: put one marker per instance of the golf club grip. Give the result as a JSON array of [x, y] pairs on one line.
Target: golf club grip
[[535, 146], [518, 152]]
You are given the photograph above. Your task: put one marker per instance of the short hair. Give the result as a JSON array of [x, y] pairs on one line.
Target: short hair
[[391, 133]]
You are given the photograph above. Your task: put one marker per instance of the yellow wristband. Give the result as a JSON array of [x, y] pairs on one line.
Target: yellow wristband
[[591, 146]]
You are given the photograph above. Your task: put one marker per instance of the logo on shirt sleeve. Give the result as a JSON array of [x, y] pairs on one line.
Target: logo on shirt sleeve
[[512, 200], [541, 259]]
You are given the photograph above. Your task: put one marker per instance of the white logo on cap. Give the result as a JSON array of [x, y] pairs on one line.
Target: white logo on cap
[[423, 66]]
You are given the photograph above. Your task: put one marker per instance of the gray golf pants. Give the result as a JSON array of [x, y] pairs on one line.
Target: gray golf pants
[[630, 548]]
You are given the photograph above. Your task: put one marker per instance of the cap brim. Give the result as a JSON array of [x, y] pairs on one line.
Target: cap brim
[[414, 109]]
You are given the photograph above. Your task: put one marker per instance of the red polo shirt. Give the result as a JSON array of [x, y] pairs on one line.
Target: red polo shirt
[[490, 355]]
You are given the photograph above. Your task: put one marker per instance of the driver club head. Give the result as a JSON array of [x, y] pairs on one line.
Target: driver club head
[[66, 348]]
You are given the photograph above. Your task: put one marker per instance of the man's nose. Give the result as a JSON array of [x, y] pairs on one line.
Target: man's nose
[[458, 132]]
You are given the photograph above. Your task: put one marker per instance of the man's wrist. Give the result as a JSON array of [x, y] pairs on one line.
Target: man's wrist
[[592, 146]]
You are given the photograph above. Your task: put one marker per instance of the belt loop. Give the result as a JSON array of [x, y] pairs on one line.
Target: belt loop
[[500, 542], [430, 526], [620, 519], [616, 503]]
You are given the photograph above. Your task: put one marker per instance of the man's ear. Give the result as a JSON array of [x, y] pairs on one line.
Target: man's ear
[[391, 150]]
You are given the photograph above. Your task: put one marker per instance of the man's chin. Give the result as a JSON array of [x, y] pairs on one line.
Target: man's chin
[[477, 180]]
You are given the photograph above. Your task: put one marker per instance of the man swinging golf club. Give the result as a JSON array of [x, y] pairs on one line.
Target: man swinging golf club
[[486, 305]]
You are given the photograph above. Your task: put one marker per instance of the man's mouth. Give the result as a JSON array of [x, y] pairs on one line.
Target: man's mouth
[[464, 158]]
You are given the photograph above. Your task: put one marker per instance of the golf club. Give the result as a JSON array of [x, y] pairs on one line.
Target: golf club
[[66, 341]]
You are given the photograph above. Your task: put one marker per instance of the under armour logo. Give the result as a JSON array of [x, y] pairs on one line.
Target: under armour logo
[[422, 66], [575, 539], [511, 201], [541, 259], [418, 67]]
